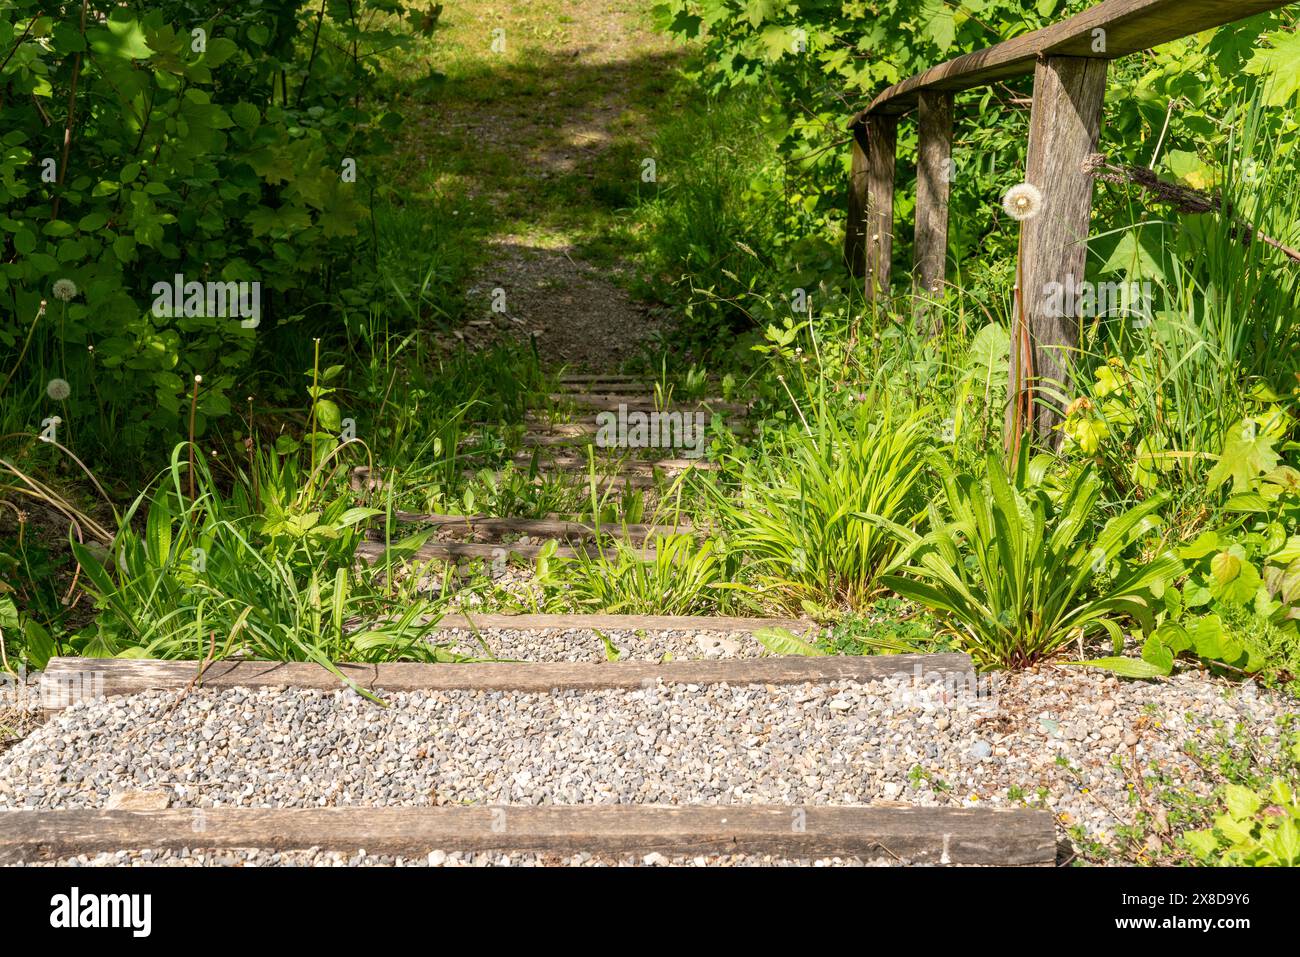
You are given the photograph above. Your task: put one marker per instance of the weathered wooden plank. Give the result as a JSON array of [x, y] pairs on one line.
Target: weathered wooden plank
[[933, 179], [608, 402], [1017, 836], [603, 481], [541, 426], [579, 434], [625, 466], [1128, 26], [372, 551], [855, 233], [68, 680], [562, 440], [622, 388], [882, 145], [1068, 96], [599, 377], [546, 527]]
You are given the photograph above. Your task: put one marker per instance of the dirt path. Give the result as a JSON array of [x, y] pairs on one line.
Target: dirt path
[[547, 118]]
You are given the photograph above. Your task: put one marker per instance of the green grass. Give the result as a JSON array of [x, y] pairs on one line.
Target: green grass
[[683, 577], [268, 571], [795, 517]]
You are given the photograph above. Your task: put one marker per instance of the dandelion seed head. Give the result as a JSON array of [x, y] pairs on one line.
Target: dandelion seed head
[[65, 290], [1022, 202], [58, 389]]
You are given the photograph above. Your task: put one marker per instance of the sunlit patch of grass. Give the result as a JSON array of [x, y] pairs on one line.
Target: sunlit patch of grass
[[529, 126]]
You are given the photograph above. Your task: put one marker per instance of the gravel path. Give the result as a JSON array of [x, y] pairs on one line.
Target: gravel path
[[1066, 739]]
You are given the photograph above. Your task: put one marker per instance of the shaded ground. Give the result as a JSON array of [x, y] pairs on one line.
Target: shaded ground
[[548, 134]]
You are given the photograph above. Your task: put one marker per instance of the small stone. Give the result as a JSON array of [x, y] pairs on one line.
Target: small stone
[[437, 858], [137, 801], [715, 646], [981, 750]]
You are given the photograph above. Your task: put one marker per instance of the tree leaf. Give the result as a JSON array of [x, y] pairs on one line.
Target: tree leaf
[[1247, 453]]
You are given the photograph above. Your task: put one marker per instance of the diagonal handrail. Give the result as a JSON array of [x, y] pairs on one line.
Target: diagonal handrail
[[1128, 26]]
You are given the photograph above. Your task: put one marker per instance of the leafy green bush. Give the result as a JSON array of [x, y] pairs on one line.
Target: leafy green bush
[[1255, 830], [215, 145], [1238, 609], [1017, 573]]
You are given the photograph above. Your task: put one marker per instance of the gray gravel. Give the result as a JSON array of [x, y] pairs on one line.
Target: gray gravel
[[1066, 739], [587, 644], [20, 709]]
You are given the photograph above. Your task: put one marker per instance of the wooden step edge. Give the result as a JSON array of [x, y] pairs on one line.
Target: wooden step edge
[[543, 425], [582, 479], [600, 377], [608, 387], [546, 428], [623, 465], [491, 551], [929, 835], [67, 681], [612, 403], [545, 527]]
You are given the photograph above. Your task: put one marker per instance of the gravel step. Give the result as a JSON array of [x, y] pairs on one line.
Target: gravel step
[[624, 387], [597, 644], [1061, 740], [599, 638]]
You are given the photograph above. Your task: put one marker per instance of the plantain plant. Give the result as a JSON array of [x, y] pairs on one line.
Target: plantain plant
[[1016, 572]]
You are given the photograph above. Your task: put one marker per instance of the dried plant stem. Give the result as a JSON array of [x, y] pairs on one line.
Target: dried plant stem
[[1183, 198], [26, 343]]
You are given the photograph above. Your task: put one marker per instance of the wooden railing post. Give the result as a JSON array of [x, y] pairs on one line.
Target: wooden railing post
[[855, 234], [882, 142], [1063, 131], [933, 178]]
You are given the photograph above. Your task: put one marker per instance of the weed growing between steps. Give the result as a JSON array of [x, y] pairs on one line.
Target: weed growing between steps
[[1248, 821]]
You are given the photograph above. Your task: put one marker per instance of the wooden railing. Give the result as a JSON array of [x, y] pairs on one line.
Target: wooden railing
[[1069, 63]]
